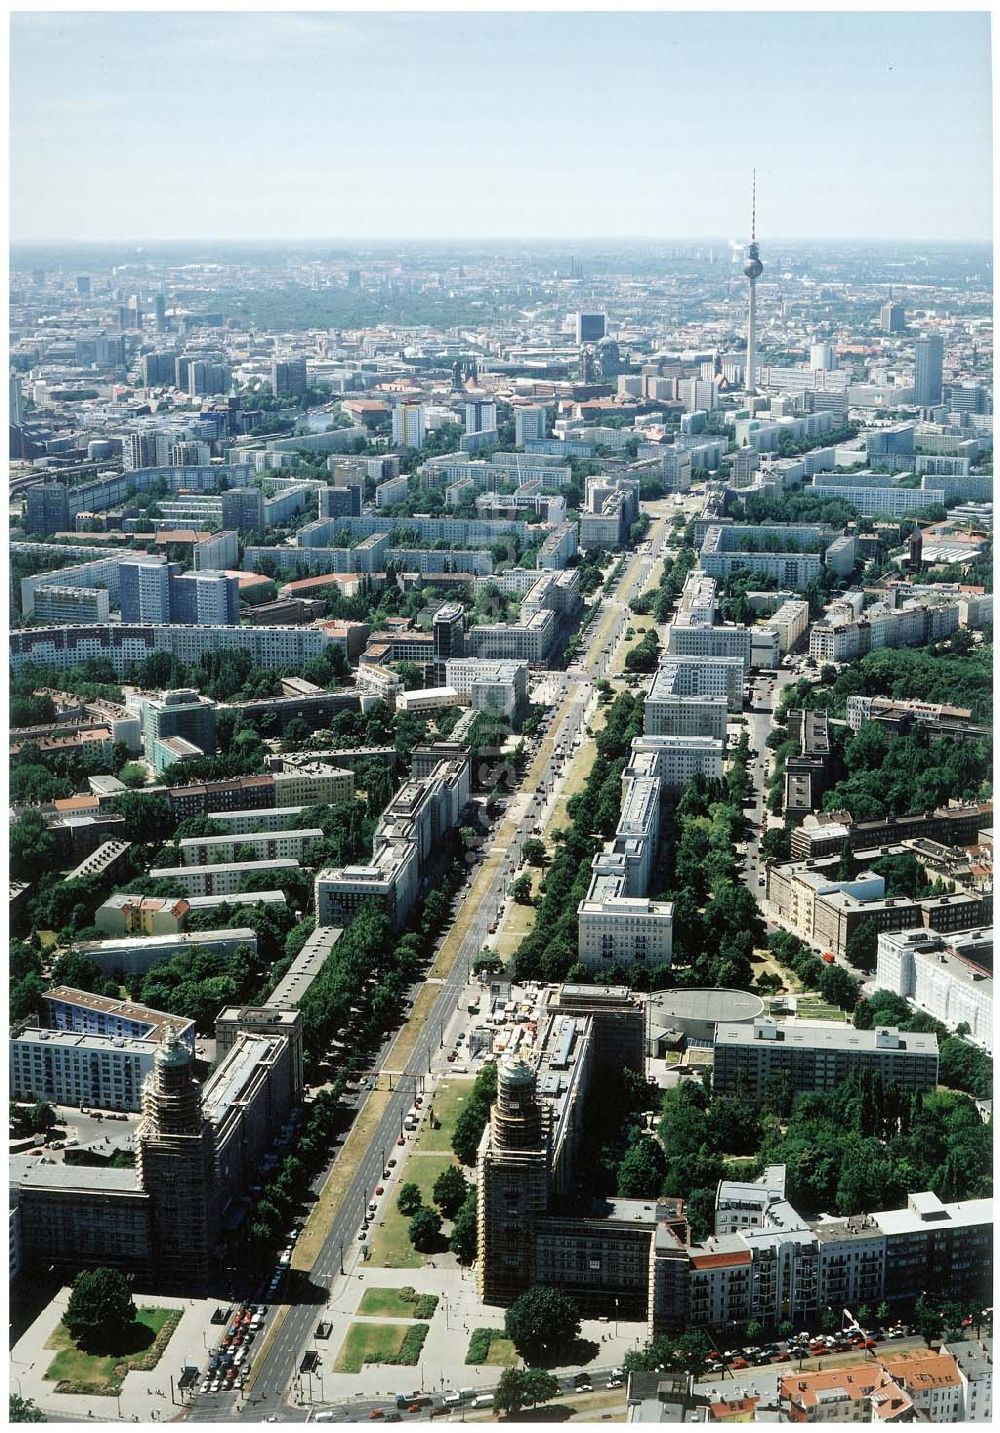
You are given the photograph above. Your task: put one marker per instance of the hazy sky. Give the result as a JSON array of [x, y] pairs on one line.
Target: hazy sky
[[309, 125]]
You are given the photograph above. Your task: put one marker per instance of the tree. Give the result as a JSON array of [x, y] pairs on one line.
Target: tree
[[542, 1323], [640, 1174], [464, 1239], [148, 819], [409, 1199], [425, 1230], [100, 1310], [927, 1320], [32, 847], [509, 1396], [539, 1386], [521, 890], [533, 851], [24, 1410], [862, 945], [450, 1190]]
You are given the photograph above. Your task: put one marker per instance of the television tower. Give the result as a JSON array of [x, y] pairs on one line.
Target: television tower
[[753, 268]]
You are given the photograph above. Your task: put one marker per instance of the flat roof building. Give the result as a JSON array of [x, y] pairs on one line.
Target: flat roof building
[[818, 1056]]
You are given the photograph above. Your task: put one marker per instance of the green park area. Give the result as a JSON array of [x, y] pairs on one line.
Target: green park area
[[380, 1343], [102, 1374], [446, 1103], [492, 1347], [403, 1303], [391, 1247]]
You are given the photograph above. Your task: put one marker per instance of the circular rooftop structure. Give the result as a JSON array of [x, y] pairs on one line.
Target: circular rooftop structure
[[695, 1013], [516, 1071]]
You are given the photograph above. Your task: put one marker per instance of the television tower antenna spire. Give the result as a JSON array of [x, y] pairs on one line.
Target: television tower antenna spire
[[753, 268], [753, 206]]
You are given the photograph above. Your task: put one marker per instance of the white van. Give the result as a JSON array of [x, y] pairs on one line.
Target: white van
[[485, 1400]]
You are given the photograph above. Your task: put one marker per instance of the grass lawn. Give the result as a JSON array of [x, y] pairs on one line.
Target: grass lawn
[[502, 1353], [446, 1101], [388, 1303], [405, 1042], [362, 1339], [310, 1241], [490, 1346], [813, 1008], [390, 1246], [103, 1374]]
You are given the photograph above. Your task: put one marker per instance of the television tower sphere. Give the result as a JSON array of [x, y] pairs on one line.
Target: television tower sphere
[[753, 268]]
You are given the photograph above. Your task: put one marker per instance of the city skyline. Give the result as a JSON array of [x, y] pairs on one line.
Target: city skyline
[[373, 156]]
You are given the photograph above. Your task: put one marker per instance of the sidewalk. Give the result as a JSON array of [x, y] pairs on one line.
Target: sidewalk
[[146, 1395], [442, 1364]]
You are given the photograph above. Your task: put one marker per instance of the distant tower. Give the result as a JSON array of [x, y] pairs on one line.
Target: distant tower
[[914, 550], [753, 268], [514, 1172], [175, 1161]]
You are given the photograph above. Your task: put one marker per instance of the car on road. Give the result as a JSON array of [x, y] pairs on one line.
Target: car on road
[[377, 1413]]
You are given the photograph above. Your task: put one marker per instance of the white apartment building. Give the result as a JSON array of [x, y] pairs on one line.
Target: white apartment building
[[409, 425], [623, 930], [915, 624], [676, 760], [525, 641], [891, 500], [297, 846], [312, 784], [125, 643], [529, 424], [790, 622], [500, 686], [392, 491], [696, 605], [717, 641], [948, 976], [64, 1067], [71, 604], [391, 880], [223, 879], [427, 699]]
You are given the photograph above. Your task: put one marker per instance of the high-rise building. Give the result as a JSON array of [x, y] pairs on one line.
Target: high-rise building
[[243, 509], [822, 355], [144, 590], [83, 286], [449, 631], [288, 376], [529, 424], [47, 508], [591, 327], [408, 425], [205, 378], [176, 1165], [480, 417], [205, 598], [16, 403], [139, 451], [182, 714], [927, 379], [160, 311], [158, 368], [513, 1188], [892, 317]]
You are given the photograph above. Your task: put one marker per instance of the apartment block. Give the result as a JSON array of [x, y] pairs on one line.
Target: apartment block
[[948, 977], [818, 1056]]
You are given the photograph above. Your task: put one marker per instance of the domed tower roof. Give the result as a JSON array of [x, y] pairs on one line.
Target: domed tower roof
[[515, 1071], [172, 1052]]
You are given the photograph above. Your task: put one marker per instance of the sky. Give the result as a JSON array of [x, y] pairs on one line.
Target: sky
[[257, 125]]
